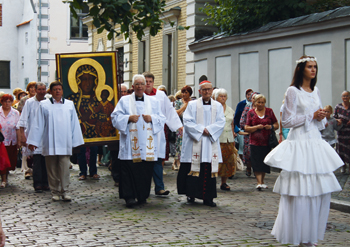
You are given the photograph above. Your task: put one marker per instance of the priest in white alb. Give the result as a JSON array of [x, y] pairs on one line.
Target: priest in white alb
[[139, 119], [204, 121], [56, 126]]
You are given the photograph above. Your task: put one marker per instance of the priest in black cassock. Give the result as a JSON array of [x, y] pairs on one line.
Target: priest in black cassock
[[139, 119], [203, 121]]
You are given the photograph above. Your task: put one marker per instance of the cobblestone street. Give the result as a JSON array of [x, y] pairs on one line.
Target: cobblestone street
[[97, 217]]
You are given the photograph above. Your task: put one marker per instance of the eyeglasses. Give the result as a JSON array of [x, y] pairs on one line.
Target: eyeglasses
[[206, 89], [139, 84]]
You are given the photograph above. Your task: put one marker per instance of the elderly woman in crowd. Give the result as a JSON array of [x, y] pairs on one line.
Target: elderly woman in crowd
[[8, 121], [246, 149], [180, 107], [260, 122], [31, 92], [342, 112], [15, 92], [228, 150]]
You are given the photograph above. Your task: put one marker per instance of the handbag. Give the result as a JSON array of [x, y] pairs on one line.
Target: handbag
[[273, 142], [2, 138]]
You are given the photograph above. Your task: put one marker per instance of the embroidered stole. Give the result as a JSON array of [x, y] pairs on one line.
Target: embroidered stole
[[197, 146], [133, 132]]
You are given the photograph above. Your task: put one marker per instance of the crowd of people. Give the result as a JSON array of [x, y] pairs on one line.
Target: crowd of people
[[206, 137]]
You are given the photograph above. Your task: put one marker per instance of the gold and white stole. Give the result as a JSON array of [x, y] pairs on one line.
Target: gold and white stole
[[133, 132], [197, 146]]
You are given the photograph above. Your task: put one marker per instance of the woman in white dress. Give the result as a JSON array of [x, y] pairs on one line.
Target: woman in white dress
[[307, 162]]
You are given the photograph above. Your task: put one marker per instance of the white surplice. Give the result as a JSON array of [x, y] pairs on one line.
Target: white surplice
[[26, 121], [120, 119], [194, 132], [57, 126], [172, 120]]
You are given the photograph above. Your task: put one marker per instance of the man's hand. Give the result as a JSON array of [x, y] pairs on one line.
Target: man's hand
[[147, 118], [32, 147], [134, 118], [206, 132], [181, 130]]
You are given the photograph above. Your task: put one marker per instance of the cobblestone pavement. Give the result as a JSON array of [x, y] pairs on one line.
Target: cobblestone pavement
[[97, 217]]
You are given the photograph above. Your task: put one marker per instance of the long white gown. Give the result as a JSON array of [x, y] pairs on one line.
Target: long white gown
[[306, 180]]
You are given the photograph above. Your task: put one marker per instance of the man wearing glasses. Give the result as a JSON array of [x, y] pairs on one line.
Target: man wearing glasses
[[139, 119]]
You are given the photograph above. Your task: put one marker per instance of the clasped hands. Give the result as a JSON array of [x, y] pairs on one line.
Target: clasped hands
[[260, 126], [135, 118], [319, 114]]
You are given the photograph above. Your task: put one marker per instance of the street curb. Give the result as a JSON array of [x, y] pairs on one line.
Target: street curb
[[339, 205]]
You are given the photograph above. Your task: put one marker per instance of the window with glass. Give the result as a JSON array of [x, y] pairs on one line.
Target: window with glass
[[78, 30], [5, 74]]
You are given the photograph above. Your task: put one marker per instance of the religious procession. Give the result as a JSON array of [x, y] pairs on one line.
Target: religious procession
[[207, 138]]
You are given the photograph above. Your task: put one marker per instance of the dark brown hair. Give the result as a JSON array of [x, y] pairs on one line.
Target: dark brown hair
[[299, 73], [55, 83], [148, 74]]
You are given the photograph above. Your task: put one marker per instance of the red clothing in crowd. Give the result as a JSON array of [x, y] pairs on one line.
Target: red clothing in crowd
[[261, 136]]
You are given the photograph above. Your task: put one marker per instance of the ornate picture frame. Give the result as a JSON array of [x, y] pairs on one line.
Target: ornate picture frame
[[90, 81]]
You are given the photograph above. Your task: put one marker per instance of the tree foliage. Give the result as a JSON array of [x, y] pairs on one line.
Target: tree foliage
[[131, 15], [236, 16]]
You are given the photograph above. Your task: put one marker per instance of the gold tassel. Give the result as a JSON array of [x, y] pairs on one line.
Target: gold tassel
[[137, 160], [194, 174]]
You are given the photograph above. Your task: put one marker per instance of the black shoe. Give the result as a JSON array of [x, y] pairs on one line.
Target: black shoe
[[231, 177], [142, 202], [38, 189], [209, 203], [162, 193], [190, 199], [46, 188], [130, 203], [224, 187]]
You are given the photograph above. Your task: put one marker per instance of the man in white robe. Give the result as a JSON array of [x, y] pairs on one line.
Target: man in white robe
[[57, 127], [139, 119], [25, 123], [172, 121], [204, 121]]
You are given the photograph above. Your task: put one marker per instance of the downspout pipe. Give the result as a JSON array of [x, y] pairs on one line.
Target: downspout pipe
[[39, 47]]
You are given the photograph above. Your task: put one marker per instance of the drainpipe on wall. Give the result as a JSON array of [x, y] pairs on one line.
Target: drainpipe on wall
[[39, 48]]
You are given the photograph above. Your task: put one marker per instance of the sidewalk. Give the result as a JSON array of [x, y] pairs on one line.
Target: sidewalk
[[341, 200], [97, 217]]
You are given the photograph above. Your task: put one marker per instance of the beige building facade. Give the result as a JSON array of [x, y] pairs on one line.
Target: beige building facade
[[166, 55]]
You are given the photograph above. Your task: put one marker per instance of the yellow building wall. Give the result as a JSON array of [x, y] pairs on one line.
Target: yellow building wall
[[156, 49]]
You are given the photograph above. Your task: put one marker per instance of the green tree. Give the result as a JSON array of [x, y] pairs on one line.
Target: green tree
[[236, 16], [131, 15]]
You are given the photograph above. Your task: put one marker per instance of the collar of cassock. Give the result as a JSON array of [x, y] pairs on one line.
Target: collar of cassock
[[139, 98], [206, 102], [51, 99]]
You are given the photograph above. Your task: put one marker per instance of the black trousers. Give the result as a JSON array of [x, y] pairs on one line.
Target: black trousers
[[135, 179], [39, 171], [202, 187]]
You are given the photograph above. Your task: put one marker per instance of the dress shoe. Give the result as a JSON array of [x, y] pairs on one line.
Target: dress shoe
[[82, 177], [66, 198], [27, 175], [190, 199], [209, 203], [38, 189], [142, 202], [130, 203], [162, 193], [55, 198], [258, 187]]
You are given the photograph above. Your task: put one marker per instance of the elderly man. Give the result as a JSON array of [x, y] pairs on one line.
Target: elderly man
[[57, 128], [204, 121], [139, 119], [25, 123], [172, 121], [123, 90]]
